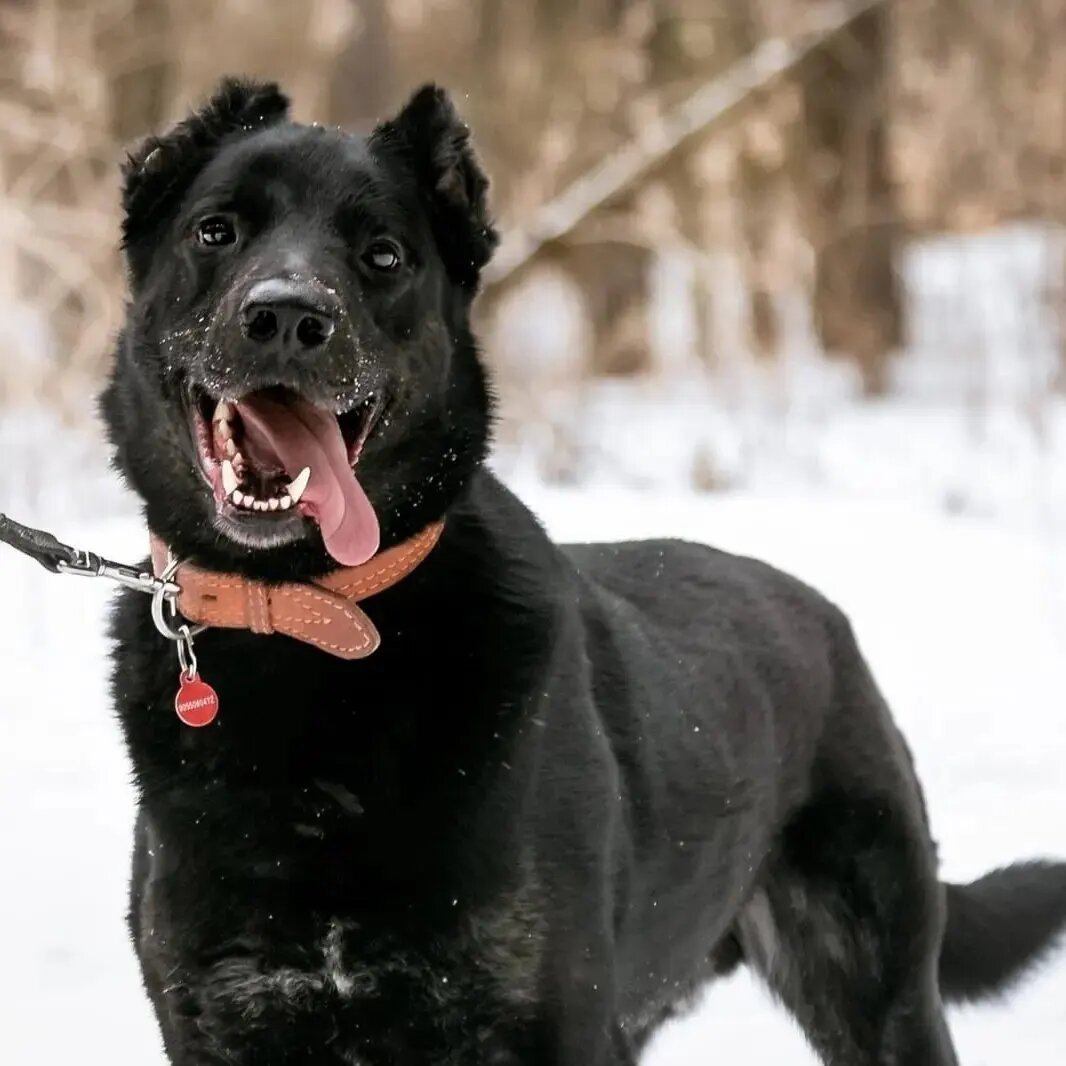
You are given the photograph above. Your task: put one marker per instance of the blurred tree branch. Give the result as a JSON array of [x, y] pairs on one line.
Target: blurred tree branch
[[719, 101], [786, 141]]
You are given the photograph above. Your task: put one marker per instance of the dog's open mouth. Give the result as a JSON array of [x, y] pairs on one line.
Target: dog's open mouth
[[272, 456]]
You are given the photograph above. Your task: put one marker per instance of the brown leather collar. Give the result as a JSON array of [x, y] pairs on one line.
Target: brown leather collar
[[322, 612]]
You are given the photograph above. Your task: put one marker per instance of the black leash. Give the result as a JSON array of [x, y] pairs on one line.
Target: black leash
[[37, 544], [59, 558], [196, 702]]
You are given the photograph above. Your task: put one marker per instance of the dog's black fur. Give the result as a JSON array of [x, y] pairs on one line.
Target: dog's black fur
[[574, 783]]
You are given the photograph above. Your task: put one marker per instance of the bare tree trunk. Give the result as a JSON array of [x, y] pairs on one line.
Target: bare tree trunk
[[757, 179], [297, 44], [363, 82], [848, 199], [672, 60], [614, 278], [141, 93]]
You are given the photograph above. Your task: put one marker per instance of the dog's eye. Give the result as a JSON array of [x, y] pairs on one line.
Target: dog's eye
[[216, 231], [382, 255]]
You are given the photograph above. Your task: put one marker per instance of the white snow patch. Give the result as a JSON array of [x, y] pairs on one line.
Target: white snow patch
[[962, 617], [937, 522]]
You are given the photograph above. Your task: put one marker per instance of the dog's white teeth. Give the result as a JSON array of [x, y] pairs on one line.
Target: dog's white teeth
[[230, 447], [246, 499], [238, 462], [223, 413], [298, 484], [229, 477]]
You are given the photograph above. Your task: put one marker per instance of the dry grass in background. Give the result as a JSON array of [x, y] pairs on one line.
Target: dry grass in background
[[923, 117]]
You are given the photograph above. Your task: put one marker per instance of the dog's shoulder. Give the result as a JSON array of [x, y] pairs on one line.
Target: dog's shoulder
[[702, 600]]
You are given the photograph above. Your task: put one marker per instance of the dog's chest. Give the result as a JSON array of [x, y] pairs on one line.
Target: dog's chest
[[270, 976]]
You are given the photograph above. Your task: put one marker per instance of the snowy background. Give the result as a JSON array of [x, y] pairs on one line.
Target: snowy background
[[936, 517]]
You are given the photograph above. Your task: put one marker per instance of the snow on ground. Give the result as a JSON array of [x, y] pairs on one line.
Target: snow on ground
[[962, 615], [974, 423], [938, 523]]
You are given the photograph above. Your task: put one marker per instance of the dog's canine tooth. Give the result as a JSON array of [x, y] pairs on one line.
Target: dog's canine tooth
[[229, 477], [223, 412], [225, 430], [298, 484], [230, 447], [285, 502]]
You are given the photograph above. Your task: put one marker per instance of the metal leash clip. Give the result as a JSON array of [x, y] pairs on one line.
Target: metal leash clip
[[196, 702], [163, 590], [89, 564], [165, 594], [61, 558]]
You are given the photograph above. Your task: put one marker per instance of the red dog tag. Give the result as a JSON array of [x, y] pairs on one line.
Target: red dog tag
[[196, 701]]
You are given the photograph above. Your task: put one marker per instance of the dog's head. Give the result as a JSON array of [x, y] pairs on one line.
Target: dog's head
[[297, 380]]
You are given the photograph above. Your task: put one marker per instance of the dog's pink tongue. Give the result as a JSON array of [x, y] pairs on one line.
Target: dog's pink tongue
[[300, 434]]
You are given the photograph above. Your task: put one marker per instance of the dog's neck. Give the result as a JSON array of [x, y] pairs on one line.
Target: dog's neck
[[323, 612]]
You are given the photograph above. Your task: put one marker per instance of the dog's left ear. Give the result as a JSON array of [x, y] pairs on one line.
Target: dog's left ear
[[429, 136]]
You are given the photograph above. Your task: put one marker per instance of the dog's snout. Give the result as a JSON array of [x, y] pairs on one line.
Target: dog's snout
[[289, 315]]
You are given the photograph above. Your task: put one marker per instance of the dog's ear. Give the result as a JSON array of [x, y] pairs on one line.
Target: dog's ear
[[159, 169], [434, 141]]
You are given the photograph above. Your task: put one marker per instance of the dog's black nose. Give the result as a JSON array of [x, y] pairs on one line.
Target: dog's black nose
[[289, 315]]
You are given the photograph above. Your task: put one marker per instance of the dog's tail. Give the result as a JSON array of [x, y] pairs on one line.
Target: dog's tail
[[1000, 926]]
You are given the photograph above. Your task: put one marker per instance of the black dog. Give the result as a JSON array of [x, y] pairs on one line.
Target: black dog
[[574, 783]]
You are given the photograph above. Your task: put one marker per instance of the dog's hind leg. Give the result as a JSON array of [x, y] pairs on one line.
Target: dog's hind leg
[[846, 930]]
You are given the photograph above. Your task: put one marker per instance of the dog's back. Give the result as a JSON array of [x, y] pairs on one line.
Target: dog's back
[[749, 729]]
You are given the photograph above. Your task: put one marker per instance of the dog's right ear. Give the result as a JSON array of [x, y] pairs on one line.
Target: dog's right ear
[[159, 169]]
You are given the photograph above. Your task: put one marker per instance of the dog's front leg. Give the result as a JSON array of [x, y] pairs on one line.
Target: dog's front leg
[[584, 1029], [593, 1042]]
